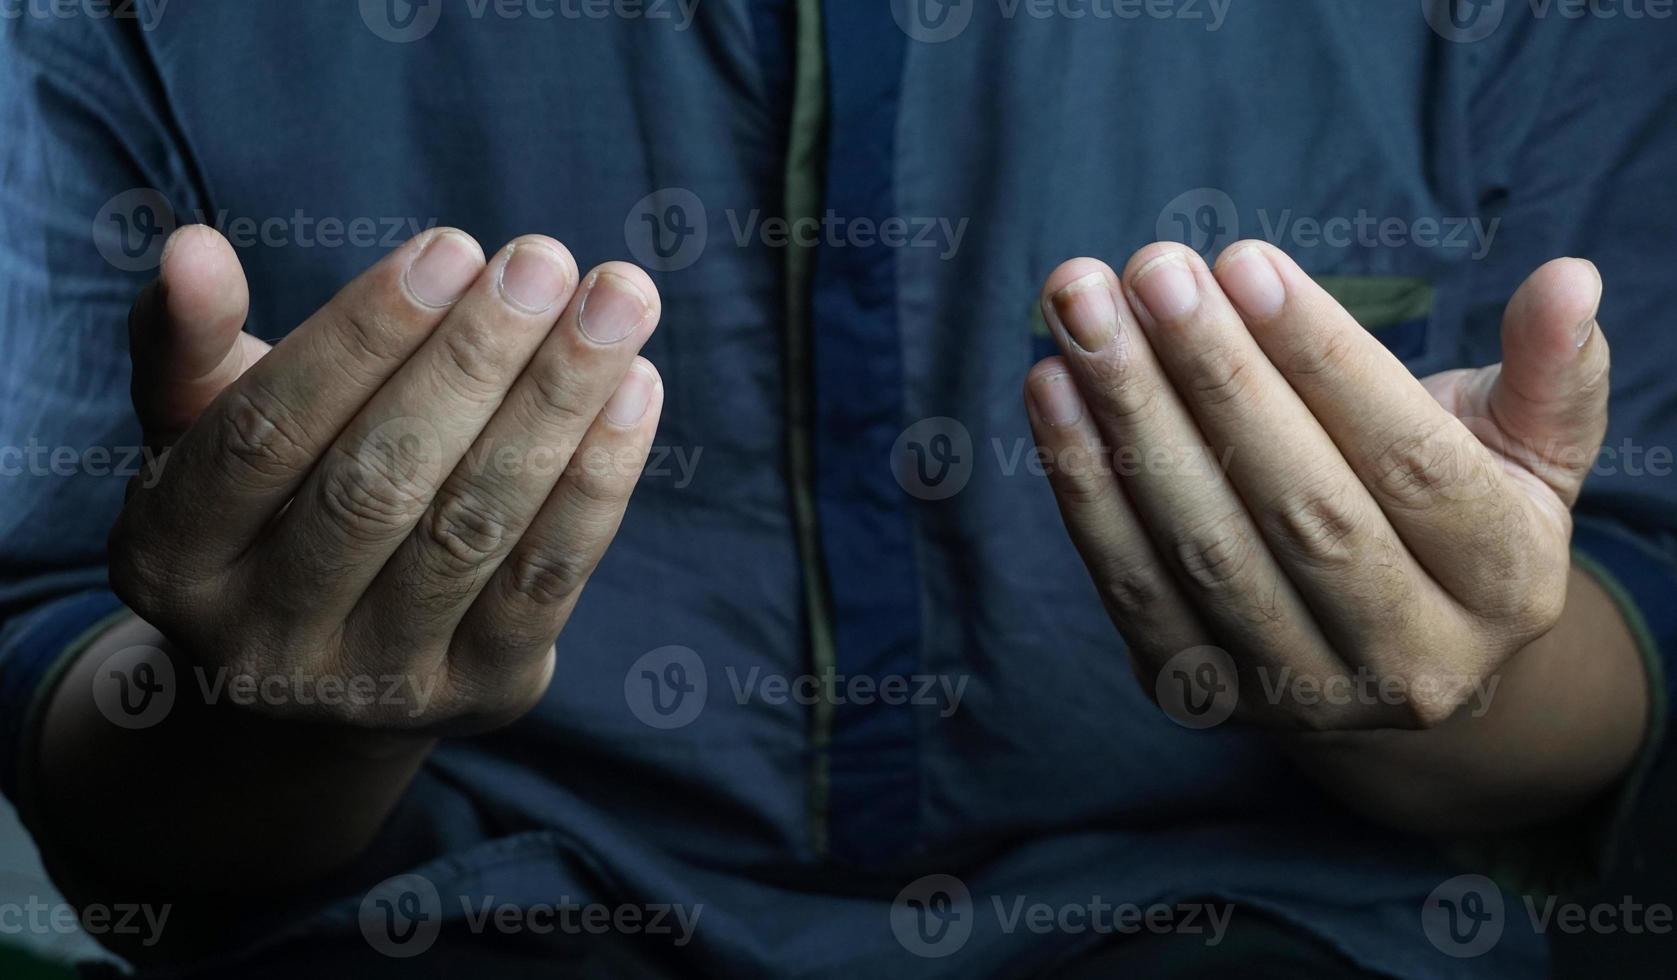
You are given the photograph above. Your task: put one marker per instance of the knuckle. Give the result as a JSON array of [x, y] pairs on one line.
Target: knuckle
[[366, 498], [491, 687], [601, 479], [1131, 587], [472, 366], [1525, 606], [1327, 355], [366, 329], [465, 530], [555, 396], [1545, 605], [1518, 581], [1317, 524], [1125, 395], [1429, 706], [1219, 375], [1215, 554], [547, 577], [1080, 481], [260, 438], [1419, 468]]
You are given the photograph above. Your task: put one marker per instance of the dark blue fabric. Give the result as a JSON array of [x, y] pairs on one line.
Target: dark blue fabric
[[866, 532], [1043, 138], [1406, 340]]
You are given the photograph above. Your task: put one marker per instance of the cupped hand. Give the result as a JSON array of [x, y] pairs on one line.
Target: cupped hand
[[1275, 509], [404, 497]]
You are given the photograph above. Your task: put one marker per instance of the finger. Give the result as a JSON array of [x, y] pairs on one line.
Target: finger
[[1549, 400], [373, 483], [1145, 603], [1438, 485], [511, 627], [231, 473], [186, 333], [1196, 520], [1330, 537], [494, 493]]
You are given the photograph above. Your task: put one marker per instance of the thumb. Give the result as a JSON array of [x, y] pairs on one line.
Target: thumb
[[186, 335], [1549, 400]]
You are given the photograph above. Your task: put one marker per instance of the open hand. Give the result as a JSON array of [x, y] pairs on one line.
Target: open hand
[[1258, 486]]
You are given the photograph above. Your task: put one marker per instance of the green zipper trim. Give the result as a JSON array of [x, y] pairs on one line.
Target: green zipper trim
[[1381, 301], [805, 154]]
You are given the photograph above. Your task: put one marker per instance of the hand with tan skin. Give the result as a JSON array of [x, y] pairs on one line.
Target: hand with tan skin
[[415, 483], [1347, 519]]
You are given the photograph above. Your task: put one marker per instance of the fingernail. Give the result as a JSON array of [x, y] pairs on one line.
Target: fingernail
[[612, 310], [169, 246], [1085, 310], [628, 403], [1057, 400], [1586, 330], [444, 270], [1251, 282], [1167, 288], [534, 278]]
